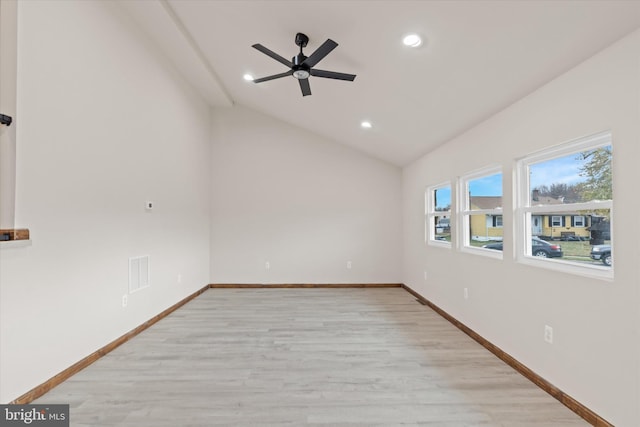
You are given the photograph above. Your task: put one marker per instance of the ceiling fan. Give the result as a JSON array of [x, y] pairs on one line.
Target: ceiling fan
[[301, 66]]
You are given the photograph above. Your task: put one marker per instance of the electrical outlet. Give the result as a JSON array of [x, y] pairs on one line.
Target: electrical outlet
[[179, 278], [125, 300], [466, 293], [349, 265], [148, 205], [548, 334], [267, 265], [425, 275]]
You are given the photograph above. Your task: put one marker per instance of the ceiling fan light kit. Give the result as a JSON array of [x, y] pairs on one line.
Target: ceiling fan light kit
[[301, 66]]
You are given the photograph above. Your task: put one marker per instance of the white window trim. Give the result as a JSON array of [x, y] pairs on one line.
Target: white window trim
[[524, 210], [431, 213], [583, 222], [464, 211]]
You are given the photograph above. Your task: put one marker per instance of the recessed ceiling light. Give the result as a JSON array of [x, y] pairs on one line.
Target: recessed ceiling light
[[248, 77], [366, 125], [412, 40]]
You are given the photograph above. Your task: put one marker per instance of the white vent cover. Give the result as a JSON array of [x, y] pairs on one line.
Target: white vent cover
[[138, 273]]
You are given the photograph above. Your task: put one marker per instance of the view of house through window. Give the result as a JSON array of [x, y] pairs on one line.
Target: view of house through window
[[569, 206], [438, 221], [564, 200], [482, 213]]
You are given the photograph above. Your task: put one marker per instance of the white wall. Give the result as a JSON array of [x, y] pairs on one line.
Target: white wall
[[595, 354], [8, 70], [103, 124], [304, 204]]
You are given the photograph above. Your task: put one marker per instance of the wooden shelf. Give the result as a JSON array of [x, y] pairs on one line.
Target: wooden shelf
[[11, 234]]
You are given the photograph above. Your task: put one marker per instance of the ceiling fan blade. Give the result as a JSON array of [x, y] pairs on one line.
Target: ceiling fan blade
[[275, 76], [320, 53], [332, 75], [272, 54], [304, 86]]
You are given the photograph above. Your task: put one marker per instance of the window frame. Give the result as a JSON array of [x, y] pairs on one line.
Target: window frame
[[524, 210], [431, 214], [465, 212]]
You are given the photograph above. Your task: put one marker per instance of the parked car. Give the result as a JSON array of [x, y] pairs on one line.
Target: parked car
[[545, 249], [574, 238], [602, 253], [496, 246], [539, 248]]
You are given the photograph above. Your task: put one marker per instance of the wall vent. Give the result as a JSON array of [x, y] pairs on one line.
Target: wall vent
[[138, 273]]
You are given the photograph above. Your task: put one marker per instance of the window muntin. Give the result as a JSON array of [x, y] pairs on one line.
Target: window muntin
[[438, 214], [565, 199], [481, 213]]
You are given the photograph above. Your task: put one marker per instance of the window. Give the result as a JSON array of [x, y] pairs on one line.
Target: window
[[481, 211], [438, 215], [564, 207]]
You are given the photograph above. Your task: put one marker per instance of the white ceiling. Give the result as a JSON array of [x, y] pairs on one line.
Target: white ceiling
[[478, 58]]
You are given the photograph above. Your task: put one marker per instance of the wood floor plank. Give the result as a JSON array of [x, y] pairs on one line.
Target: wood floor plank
[[305, 357]]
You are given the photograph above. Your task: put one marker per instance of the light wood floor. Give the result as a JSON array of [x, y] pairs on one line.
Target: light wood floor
[[305, 357]]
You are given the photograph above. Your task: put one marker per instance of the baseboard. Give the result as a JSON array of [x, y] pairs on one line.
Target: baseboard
[[568, 401], [40, 390], [303, 285]]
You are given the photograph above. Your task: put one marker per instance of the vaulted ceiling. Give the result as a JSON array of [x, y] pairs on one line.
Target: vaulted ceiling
[[477, 58]]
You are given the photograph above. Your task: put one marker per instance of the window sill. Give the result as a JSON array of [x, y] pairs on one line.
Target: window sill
[[591, 271], [439, 243], [490, 253]]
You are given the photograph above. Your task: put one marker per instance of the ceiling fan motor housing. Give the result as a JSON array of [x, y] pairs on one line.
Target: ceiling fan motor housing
[[300, 69], [298, 60]]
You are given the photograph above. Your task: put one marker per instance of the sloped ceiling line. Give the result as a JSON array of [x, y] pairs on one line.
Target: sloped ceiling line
[[194, 45]]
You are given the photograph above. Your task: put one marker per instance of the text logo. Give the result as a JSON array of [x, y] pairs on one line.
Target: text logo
[[34, 415]]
